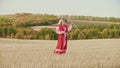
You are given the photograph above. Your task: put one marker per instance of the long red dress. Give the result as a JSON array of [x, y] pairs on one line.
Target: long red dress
[[61, 47]]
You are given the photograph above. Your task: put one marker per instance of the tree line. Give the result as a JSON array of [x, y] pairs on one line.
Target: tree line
[[27, 20], [90, 18], [96, 32], [90, 31]]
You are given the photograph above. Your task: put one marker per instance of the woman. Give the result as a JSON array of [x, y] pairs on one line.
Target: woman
[[62, 30]]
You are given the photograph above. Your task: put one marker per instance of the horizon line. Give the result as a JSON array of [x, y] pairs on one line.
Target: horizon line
[[60, 14]]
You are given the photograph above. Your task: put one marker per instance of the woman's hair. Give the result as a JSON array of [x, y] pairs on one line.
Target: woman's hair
[[61, 21], [65, 19]]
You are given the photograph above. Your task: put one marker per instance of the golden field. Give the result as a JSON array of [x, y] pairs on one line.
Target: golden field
[[95, 53]]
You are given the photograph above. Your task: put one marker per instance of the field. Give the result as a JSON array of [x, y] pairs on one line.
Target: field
[[100, 53]]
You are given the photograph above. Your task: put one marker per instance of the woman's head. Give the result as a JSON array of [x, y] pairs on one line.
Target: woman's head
[[62, 21]]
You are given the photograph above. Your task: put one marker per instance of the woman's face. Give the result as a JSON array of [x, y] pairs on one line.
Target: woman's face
[[64, 23]]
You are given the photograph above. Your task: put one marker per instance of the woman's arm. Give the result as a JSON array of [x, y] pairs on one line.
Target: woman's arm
[[70, 27], [58, 31]]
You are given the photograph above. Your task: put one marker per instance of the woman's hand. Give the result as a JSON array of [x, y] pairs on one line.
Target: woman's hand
[[71, 23]]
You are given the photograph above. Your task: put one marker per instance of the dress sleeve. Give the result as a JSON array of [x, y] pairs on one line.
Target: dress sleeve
[[58, 31], [70, 27]]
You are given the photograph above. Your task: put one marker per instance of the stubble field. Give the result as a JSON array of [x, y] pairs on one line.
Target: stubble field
[[100, 53]]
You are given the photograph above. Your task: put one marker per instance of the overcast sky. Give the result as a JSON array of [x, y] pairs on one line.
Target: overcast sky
[[102, 8]]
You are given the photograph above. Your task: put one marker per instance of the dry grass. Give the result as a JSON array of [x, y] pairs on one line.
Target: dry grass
[[39, 54]]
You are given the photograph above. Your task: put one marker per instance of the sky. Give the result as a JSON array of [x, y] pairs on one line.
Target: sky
[[101, 8]]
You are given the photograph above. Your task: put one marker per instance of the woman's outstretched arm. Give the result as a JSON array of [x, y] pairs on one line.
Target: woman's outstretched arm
[[70, 27]]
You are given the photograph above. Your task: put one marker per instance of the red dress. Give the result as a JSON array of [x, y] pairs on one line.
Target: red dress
[[61, 30]]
